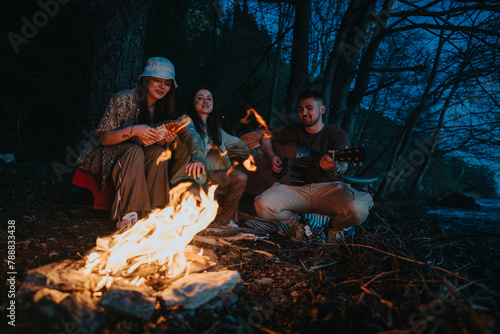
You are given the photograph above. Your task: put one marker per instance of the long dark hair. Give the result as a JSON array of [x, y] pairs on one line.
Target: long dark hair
[[164, 108], [213, 124]]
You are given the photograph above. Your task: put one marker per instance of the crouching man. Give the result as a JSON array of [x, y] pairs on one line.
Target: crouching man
[[324, 191]]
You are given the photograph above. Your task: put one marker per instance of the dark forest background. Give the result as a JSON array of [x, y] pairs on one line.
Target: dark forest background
[[416, 82]]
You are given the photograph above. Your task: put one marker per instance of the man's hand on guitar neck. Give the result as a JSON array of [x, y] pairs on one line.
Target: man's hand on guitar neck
[[328, 164]]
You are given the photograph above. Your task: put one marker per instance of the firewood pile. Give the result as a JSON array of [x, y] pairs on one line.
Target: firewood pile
[[393, 276]]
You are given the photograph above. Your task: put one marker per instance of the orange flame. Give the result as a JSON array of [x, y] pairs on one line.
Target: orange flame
[[249, 164], [155, 244], [164, 156], [259, 118]]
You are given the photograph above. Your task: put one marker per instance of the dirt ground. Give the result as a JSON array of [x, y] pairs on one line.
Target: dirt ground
[[397, 274]]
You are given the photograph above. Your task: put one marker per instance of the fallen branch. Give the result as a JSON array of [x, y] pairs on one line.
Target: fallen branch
[[222, 242], [419, 262], [251, 237]]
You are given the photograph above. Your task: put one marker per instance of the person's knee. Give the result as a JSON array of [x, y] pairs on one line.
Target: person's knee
[[358, 213], [157, 150], [261, 207], [240, 177], [136, 153]]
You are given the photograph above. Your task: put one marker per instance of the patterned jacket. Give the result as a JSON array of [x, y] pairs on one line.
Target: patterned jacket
[[123, 111]]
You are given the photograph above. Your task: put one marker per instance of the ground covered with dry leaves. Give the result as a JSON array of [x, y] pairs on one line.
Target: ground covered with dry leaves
[[399, 273]]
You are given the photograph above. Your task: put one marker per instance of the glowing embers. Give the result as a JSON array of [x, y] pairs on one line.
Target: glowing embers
[[155, 246]]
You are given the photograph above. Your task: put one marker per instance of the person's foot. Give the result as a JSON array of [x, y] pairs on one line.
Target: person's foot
[[338, 236], [128, 220], [298, 232], [231, 224], [218, 224]]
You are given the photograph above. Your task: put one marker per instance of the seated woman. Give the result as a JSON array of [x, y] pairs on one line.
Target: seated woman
[[201, 155], [128, 149]]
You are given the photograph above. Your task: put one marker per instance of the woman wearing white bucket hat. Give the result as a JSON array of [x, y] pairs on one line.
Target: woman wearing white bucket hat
[[126, 148]]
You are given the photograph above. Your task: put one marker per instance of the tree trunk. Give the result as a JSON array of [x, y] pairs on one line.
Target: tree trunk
[[299, 69], [118, 50], [344, 51], [277, 62], [417, 183], [405, 134], [363, 74]]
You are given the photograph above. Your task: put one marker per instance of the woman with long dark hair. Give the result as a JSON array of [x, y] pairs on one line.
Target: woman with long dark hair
[[129, 149], [201, 155]]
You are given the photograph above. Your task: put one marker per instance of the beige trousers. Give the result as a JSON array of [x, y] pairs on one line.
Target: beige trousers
[[140, 177], [230, 187], [282, 202]]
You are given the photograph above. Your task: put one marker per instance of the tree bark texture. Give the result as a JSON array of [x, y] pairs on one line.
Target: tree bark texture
[[404, 135], [299, 69], [417, 183], [364, 73], [344, 53], [118, 50]]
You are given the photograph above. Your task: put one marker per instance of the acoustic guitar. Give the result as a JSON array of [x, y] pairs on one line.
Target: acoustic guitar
[[291, 156]]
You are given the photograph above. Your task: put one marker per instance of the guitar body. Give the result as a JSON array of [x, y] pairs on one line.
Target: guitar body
[[291, 156], [264, 177], [287, 153]]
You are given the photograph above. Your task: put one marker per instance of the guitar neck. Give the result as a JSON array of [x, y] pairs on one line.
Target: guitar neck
[[351, 156], [305, 161]]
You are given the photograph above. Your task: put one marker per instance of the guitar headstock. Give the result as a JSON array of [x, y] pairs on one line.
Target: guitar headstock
[[353, 156]]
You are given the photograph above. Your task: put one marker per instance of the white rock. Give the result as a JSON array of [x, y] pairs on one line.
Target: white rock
[[197, 289]]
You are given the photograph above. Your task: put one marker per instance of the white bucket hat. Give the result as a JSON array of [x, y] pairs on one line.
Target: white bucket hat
[[159, 67]]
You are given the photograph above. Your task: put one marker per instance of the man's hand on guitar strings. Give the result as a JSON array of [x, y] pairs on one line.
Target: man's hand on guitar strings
[[276, 164], [195, 169]]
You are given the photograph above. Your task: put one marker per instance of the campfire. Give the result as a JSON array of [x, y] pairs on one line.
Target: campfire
[[155, 246], [130, 271]]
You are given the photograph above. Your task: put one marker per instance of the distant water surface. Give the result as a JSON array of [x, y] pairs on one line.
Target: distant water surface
[[485, 221]]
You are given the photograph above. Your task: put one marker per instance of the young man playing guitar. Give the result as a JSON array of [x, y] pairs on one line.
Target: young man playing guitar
[[323, 191]]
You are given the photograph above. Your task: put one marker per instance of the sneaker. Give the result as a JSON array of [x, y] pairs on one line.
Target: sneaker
[[218, 224], [128, 220], [231, 224], [338, 236], [298, 232]]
